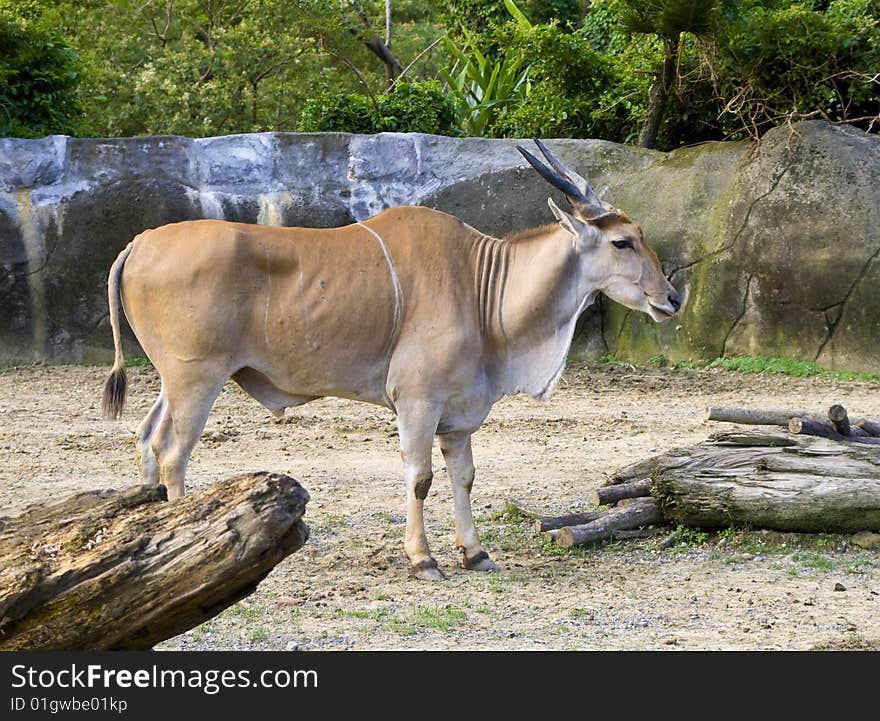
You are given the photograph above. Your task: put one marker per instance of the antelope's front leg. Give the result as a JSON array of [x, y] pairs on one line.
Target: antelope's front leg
[[417, 424], [456, 448]]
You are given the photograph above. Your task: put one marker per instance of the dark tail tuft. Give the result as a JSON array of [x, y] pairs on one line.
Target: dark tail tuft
[[114, 393]]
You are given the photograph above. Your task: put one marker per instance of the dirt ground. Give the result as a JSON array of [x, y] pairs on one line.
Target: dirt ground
[[348, 588]]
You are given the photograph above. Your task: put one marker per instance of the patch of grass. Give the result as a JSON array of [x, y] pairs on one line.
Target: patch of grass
[[443, 618], [498, 581], [358, 613], [242, 610], [686, 536], [785, 366], [850, 642], [578, 612], [258, 635], [138, 362], [814, 560], [613, 360], [547, 547], [395, 625]]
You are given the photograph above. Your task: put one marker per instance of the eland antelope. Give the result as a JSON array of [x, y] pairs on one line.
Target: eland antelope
[[412, 310]]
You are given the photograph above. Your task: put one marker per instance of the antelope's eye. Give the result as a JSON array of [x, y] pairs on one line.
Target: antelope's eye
[[623, 243]]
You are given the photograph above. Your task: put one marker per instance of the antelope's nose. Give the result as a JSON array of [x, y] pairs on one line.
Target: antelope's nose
[[675, 301]]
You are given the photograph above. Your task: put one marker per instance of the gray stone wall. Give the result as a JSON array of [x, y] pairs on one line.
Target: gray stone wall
[[774, 246]]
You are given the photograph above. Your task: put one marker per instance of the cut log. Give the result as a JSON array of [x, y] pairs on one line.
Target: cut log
[[109, 570], [839, 419], [752, 416], [807, 485], [617, 519], [609, 495], [810, 427], [551, 523]]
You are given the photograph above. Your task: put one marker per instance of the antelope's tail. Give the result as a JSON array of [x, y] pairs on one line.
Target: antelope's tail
[[117, 383]]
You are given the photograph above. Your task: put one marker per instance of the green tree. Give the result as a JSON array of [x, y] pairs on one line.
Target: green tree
[[669, 20], [39, 73], [208, 67]]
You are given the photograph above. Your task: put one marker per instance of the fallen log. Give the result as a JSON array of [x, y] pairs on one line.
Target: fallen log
[[108, 570], [644, 513], [800, 483], [551, 523], [753, 416], [811, 427], [609, 495], [872, 428]]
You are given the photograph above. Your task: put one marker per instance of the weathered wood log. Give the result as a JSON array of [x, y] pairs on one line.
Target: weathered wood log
[[872, 428], [632, 516], [775, 417], [753, 416], [805, 484], [551, 523], [810, 427], [609, 495], [108, 570], [839, 419]]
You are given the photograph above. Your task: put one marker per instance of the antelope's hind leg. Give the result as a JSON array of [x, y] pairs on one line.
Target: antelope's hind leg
[[148, 467], [189, 398], [456, 449]]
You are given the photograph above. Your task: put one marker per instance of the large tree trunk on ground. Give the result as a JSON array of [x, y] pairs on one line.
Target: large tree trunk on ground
[[769, 480], [110, 570]]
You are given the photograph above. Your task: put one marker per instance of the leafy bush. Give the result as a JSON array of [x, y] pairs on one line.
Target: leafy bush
[[38, 74], [338, 112], [776, 61], [408, 108], [569, 80]]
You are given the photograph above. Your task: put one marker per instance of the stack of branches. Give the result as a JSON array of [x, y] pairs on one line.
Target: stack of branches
[[630, 510], [835, 425], [819, 474]]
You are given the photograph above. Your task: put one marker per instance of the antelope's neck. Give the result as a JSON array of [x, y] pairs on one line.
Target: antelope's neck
[[531, 292]]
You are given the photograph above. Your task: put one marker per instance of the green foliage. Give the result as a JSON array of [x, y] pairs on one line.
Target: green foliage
[[670, 18], [570, 84], [685, 536], [780, 60], [39, 73], [408, 108], [511, 67], [483, 88], [479, 16], [785, 366]]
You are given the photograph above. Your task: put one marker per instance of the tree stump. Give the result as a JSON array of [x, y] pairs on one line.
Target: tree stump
[[108, 570], [768, 480]]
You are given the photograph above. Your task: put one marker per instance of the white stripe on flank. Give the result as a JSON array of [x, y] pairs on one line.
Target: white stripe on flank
[[395, 284]]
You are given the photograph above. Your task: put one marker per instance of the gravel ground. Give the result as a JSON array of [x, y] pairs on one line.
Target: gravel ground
[[349, 588]]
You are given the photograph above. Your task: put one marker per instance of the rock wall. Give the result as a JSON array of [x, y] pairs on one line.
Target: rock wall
[[773, 246]]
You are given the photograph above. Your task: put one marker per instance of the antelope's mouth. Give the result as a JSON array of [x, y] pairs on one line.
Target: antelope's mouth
[[661, 312]]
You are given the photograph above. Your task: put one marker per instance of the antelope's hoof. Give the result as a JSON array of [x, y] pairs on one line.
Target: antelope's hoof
[[427, 570], [480, 562]]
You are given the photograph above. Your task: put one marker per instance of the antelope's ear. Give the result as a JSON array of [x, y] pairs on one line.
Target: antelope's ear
[[570, 223]]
